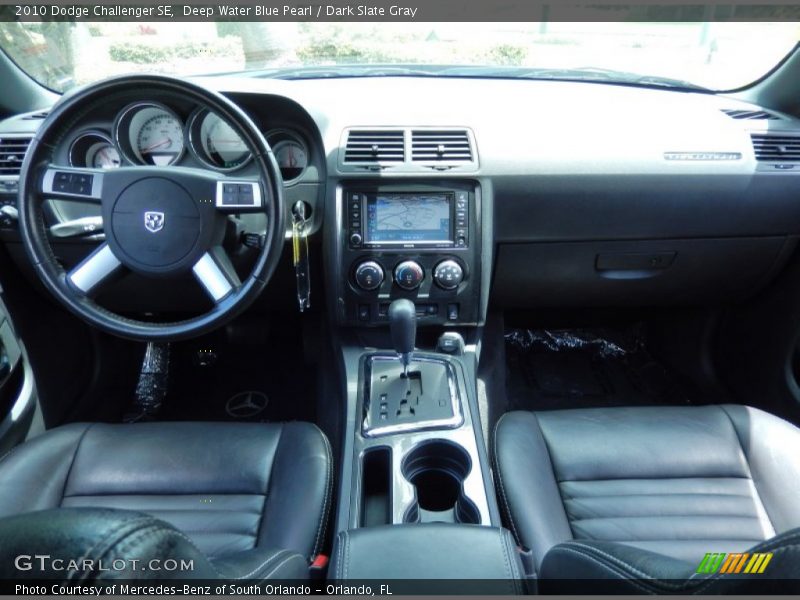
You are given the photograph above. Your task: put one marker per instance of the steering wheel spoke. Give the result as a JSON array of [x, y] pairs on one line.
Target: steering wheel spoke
[[94, 270], [216, 274], [238, 196], [69, 183]]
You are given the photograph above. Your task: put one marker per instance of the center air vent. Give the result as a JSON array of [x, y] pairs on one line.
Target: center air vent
[[777, 147], [444, 145], [750, 115], [375, 146], [12, 151]]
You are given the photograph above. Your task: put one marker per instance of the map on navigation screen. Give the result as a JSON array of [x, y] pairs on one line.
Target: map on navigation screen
[[408, 218]]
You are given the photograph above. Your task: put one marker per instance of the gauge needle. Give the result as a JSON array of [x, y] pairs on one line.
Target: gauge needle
[[107, 158], [152, 147]]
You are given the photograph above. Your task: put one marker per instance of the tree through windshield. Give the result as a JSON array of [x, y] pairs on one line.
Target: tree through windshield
[[719, 55]]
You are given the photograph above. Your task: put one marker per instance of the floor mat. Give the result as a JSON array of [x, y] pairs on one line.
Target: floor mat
[[257, 382], [581, 368]]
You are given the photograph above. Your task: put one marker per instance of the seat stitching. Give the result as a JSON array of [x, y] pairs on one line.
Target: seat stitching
[[318, 540], [594, 479], [576, 498], [268, 575], [747, 461], [189, 541], [348, 555], [340, 562], [261, 520], [500, 482], [8, 453], [263, 564], [144, 521], [607, 567], [510, 565], [506, 564], [152, 530], [622, 563], [72, 462], [658, 516]]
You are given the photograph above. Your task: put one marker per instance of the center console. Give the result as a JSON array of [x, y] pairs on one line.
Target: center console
[[420, 241], [415, 467]]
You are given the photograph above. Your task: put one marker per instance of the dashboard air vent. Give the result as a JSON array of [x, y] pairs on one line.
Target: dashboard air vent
[[375, 146], [777, 147], [445, 145], [12, 151], [750, 115]]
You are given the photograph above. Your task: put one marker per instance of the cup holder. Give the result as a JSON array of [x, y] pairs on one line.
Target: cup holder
[[437, 470]]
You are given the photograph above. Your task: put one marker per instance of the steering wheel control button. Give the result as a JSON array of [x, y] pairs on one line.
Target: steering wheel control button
[[155, 224], [240, 194], [409, 275], [72, 183], [369, 275], [448, 274]]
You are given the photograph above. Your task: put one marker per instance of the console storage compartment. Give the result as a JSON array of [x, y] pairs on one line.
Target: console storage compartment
[[376, 490], [429, 558]]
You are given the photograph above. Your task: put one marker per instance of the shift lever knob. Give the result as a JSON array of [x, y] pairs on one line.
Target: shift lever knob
[[403, 325]]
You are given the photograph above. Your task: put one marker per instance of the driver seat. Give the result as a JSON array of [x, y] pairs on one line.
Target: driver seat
[[253, 498]]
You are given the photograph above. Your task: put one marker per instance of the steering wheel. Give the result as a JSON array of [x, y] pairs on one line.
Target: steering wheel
[[159, 221]]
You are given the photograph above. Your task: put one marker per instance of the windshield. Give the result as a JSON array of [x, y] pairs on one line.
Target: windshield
[[717, 56]]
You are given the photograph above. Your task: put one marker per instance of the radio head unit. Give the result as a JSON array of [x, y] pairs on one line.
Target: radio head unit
[[418, 219]]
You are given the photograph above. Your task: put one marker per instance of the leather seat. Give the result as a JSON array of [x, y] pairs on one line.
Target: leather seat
[[243, 493], [664, 484]]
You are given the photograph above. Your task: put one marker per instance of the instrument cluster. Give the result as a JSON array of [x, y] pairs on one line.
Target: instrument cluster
[[151, 133]]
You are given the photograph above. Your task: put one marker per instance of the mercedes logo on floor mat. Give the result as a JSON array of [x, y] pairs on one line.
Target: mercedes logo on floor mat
[[246, 404]]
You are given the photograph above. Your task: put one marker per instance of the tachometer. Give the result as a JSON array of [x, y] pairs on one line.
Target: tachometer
[[103, 156], [150, 134], [94, 150], [215, 142], [290, 152]]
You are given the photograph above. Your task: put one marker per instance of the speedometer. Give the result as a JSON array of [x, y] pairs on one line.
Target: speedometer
[[150, 134], [216, 143]]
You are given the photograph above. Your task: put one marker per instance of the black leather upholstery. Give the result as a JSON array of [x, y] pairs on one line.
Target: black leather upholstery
[[99, 544], [235, 489], [675, 481], [460, 557]]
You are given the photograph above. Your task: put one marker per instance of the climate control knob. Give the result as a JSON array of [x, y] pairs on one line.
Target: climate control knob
[[448, 274], [369, 275], [408, 275]]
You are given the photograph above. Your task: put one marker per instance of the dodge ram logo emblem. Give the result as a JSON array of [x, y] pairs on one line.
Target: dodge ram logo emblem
[[153, 221]]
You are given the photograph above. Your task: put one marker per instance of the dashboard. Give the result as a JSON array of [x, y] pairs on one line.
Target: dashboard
[[461, 193]]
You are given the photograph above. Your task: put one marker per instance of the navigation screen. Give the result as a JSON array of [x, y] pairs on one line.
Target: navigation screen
[[408, 218]]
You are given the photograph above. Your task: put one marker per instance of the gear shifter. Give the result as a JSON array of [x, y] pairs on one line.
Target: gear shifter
[[403, 325]]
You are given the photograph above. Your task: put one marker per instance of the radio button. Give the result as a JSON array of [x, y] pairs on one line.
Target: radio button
[[448, 274], [409, 275], [355, 239], [369, 275]]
